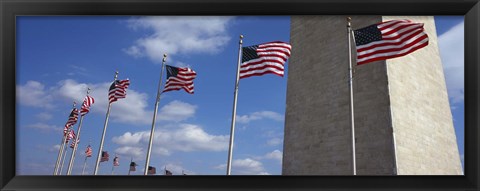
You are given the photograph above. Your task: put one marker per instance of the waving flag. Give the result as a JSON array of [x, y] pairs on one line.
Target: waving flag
[[118, 90], [152, 170], [87, 102], [132, 166], [179, 78], [72, 145], [104, 156], [89, 151], [389, 39], [265, 58], [72, 119], [115, 161], [71, 135]]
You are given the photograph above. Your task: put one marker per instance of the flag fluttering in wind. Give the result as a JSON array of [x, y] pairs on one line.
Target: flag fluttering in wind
[[179, 78], [71, 135], [118, 90], [72, 119], [115, 161], [168, 173], [132, 166], [152, 170], [88, 152], [87, 102], [105, 156], [72, 145], [389, 39], [264, 58]]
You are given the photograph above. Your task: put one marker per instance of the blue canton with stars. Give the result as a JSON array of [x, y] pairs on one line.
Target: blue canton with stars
[[367, 35]]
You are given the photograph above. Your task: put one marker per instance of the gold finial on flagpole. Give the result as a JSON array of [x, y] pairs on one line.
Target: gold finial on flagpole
[[164, 57], [241, 39], [116, 74], [88, 91], [348, 20], [74, 104]]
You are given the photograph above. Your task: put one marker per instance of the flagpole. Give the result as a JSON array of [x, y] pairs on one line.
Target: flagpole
[[63, 161], [131, 160], [60, 151], [157, 101], [85, 162], [75, 146], [350, 84], [234, 112], [104, 130]]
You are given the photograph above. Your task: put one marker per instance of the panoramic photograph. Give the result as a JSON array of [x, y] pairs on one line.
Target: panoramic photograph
[[239, 95]]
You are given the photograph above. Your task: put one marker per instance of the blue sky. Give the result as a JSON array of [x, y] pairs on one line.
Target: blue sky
[[59, 57]]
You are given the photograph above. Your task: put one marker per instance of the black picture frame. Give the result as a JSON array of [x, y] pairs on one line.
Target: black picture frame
[[9, 9]]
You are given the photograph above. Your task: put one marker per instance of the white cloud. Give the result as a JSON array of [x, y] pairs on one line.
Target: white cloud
[[45, 127], [135, 152], [274, 141], [451, 45], [176, 111], [184, 137], [44, 116], [33, 94], [246, 166], [275, 155], [178, 169], [260, 115], [179, 35]]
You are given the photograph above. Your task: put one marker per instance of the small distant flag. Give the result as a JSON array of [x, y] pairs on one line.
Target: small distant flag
[[87, 102], [89, 151], [264, 58], [118, 90], [72, 145], [389, 39], [179, 78], [104, 156], [72, 119], [152, 170], [168, 173], [132, 166], [115, 161]]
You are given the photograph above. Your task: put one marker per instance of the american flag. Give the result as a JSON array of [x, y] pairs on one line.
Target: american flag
[[132, 166], [168, 173], [118, 90], [72, 145], [264, 58], [71, 135], [104, 156], [89, 151], [115, 161], [179, 78], [87, 102], [151, 170], [389, 39], [72, 119]]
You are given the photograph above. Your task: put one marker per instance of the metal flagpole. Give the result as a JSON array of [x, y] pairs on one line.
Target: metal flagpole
[[131, 160], [234, 112], [350, 84], [60, 151], [157, 101], [63, 161], [104, 130], [75, 146]]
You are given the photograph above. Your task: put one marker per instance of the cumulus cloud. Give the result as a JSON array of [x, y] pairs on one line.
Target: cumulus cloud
[[274, 141], [275, 155], [34, 94], [259, 115], [184, 137], [179, 35], [246, 166], [178, 169], [176, 111], [451, 45]]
